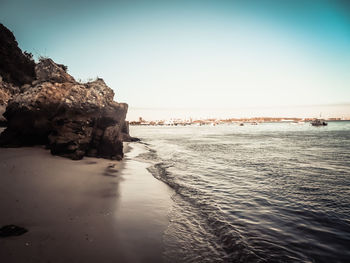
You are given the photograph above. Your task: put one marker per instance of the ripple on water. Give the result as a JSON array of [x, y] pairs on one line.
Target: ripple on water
[[270, 193]]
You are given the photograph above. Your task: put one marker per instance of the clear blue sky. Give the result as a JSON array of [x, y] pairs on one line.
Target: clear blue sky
[[196, 54]]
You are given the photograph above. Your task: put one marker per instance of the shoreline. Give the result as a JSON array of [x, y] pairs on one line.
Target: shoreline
[[91, 210], [143, 206]]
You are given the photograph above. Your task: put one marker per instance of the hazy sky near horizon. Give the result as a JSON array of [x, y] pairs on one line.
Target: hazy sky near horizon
[[195, 54]]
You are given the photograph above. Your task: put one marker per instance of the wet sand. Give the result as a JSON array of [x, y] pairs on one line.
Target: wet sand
[[92, 210], [142, 214]]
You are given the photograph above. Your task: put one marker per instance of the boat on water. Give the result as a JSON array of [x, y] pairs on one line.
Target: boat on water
[[241, 124], [319, 122]]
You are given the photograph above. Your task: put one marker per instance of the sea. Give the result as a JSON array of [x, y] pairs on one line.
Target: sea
[[273, 192]]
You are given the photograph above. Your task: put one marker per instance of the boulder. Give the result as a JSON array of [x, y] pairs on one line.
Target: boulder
[[12, 230], [50, 108], [71, 118], [126, 134]]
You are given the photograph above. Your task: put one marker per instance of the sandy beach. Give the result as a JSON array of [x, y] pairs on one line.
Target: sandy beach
[[92, 210]]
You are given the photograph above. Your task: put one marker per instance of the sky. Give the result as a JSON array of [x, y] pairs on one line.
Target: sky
[[198, 58]]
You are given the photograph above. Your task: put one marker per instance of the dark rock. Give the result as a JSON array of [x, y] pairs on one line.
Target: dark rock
[[15, 66], [7, 91], [134, 139], [3, 121], [47, 70], [16, 69], [126, 135], [72, 119], [12, 230]]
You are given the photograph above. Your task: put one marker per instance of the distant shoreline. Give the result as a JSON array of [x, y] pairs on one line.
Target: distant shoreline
[[214, 122]]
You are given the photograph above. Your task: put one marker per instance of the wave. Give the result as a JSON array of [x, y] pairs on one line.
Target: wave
[[231, 242], [253, 196]]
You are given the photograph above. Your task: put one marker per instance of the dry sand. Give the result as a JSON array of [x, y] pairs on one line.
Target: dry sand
[[93, 210]]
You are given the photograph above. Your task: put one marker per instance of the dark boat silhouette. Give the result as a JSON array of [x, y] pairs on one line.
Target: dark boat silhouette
[[319, 122]]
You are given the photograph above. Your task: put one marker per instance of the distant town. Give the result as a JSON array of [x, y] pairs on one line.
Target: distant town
[[214, 122]]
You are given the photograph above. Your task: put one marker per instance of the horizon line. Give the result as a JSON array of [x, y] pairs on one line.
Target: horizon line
[[242, 107]]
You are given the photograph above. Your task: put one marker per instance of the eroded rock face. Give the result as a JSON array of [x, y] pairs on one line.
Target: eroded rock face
[[7, 91], [73, 119], [16, 67], [47, 70]]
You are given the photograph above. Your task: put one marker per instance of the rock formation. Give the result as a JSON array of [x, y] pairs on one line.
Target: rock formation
[[15, 67], [12, 230], [73, 119], [7, 91]]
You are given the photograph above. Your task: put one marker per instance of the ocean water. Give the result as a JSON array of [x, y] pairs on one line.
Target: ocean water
[[273, 192]]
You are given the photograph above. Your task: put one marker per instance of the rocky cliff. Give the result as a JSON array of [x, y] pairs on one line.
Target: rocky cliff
[[15, 66], [73, 119]]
